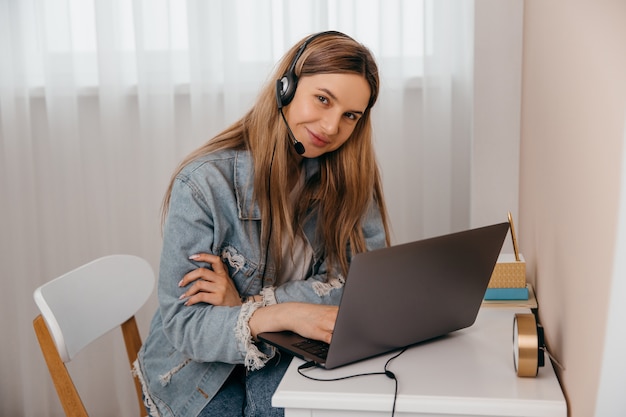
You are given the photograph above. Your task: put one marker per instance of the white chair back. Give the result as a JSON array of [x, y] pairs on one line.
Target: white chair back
[[84, 304]]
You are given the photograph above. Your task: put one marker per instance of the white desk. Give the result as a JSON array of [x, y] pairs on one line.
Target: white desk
[[468, 373]]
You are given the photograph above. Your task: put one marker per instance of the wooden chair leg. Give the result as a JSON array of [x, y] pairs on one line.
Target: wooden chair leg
[[132, 339], [66, 390]]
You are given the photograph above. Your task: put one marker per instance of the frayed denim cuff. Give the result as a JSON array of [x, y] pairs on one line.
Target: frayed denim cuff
[[255, 358], [269, 296]]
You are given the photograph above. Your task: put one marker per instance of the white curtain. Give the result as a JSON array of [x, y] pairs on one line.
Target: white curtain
[[100, 99]]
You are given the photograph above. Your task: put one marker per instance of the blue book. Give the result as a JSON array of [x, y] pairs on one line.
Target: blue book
[[506, 293]]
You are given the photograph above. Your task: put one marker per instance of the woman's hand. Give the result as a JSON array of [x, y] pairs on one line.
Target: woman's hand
[[212, 286], [314, 321]]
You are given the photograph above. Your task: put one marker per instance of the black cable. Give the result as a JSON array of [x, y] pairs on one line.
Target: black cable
[[269, 232], [385, 372]]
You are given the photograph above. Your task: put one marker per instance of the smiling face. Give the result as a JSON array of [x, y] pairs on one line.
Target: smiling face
[[325, 110]]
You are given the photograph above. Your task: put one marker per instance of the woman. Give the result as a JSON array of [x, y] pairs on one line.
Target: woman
[[260, 224]]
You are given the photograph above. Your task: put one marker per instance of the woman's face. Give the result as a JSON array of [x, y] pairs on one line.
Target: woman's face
[[326, 109]]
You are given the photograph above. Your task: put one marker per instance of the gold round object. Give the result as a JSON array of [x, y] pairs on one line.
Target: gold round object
[[526, 345]]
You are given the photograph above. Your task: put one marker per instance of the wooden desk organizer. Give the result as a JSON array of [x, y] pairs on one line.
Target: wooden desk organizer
[[508, 273]]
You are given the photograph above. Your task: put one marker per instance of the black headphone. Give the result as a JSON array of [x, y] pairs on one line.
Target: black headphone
[[286, 85]]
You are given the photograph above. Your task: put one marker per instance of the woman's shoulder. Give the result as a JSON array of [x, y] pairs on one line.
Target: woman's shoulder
[[220, 160]]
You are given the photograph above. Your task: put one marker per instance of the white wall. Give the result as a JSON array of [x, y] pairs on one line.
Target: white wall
[[611, 400], [573, 106]]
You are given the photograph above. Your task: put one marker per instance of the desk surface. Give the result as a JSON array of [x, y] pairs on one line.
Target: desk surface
[[469, 372]]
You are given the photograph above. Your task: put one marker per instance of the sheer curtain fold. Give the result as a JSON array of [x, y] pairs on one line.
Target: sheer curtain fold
[[100, 100]]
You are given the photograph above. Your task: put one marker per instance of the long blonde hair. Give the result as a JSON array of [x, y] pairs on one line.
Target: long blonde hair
[[349, 178]]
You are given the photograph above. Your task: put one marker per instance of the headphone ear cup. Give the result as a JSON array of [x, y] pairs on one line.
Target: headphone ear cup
[[288, 84]]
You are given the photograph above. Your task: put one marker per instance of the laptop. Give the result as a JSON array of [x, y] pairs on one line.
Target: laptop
[[403, 295]]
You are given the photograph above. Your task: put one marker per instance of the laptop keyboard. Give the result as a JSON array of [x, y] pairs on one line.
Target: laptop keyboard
[[314, 347]]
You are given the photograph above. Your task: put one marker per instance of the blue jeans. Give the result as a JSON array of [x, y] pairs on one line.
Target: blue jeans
[[249, 394]]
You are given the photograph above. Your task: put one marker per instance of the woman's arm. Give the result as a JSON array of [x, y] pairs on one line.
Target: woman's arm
[[315, 321], [203, 332], [214, 286]]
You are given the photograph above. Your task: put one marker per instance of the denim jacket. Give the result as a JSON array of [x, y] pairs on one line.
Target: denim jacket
[[190, 350]]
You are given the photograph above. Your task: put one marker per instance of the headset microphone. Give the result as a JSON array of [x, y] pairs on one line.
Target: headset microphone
[[296, 144]]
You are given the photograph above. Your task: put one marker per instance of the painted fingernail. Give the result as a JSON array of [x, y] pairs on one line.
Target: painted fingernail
[[194, 257], [180, 283]]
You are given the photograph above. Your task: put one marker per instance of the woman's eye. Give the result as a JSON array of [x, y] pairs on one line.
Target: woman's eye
[[322, 99], [351, 116]]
